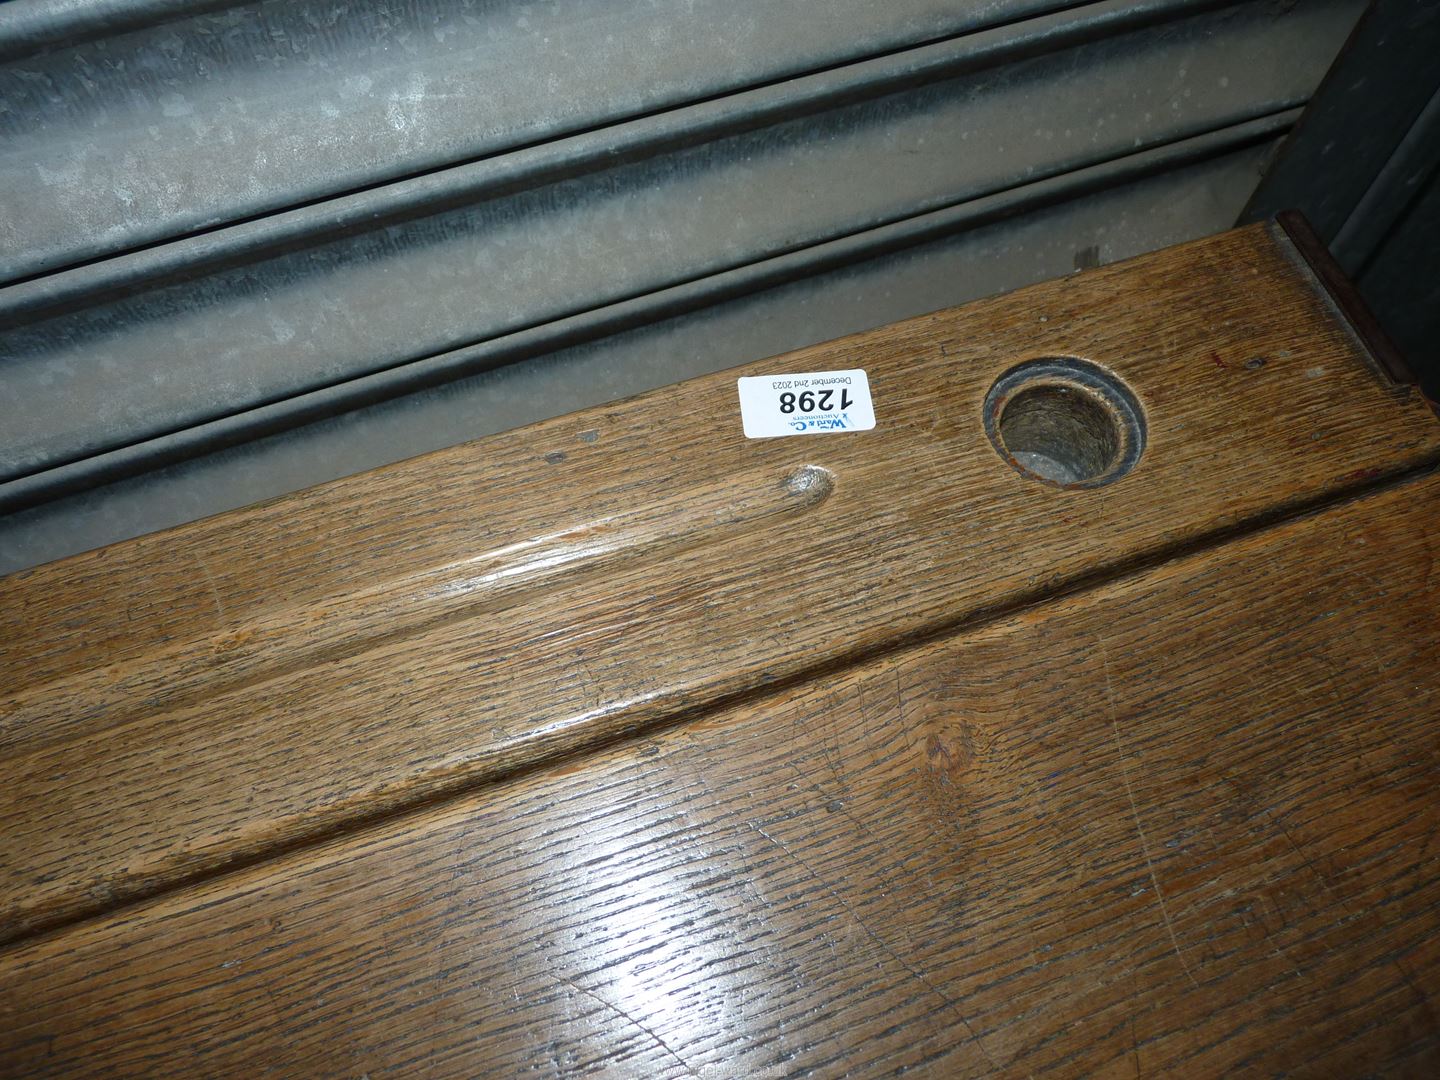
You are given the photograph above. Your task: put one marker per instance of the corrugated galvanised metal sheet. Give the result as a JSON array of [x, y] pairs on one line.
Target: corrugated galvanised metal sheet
[[240, 240]]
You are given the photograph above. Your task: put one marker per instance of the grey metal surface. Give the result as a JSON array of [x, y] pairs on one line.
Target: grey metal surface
[[1387, 73], [232, 110], [1401, 277], [495, 247], [226, 262], [1364, 167], [1098, 223]]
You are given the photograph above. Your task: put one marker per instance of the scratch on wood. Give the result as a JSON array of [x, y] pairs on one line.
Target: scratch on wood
[[214, 592], [1405, 976], [1135, 813], [621, 1012], [881, 942]]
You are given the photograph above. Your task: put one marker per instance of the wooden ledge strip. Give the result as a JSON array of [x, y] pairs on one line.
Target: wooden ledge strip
[[295, 637]]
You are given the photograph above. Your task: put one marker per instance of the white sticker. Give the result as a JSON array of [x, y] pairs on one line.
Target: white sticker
[[815, 403]]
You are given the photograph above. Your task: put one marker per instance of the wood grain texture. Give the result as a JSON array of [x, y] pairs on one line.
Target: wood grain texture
[[1183, 822], [197, 699], [623, 743]]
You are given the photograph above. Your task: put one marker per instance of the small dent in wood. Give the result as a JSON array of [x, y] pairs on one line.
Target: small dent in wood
[[812, 482]]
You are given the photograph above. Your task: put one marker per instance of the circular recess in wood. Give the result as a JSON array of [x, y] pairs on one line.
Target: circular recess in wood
[[1065, 422]]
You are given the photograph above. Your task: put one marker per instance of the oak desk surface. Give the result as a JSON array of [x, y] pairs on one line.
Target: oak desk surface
[[625, 743]]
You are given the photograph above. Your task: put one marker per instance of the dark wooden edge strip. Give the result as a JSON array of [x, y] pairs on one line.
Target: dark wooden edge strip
[[1383, 351]]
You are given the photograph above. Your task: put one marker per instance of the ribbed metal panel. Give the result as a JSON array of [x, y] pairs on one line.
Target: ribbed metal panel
[[1364, 168], [206, 114], [520, 189]]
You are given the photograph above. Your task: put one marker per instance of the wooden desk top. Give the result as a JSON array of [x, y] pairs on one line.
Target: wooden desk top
[[626, 743]]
